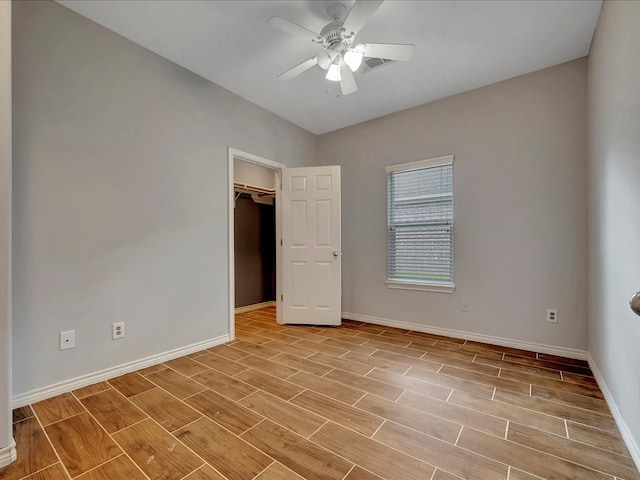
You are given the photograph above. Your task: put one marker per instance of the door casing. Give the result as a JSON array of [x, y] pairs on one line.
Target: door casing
[[232, 154]]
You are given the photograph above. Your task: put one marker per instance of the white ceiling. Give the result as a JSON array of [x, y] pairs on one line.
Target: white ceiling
[[459, 45]]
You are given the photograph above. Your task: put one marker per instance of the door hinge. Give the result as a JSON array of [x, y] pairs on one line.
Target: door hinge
[[281, 244], [282, 298]]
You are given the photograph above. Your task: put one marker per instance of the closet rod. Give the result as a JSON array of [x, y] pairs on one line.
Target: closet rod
[[247, 188]]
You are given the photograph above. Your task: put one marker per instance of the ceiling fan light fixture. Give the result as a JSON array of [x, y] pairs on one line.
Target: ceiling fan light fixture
[[324, 59], [333, 73], [353, 59]]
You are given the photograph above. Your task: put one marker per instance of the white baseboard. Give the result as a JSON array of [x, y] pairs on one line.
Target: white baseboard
[[634, 448], [477, 337], [8, 454], [49, 391], [255, 306]]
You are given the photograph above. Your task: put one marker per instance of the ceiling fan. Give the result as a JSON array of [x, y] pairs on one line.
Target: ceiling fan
[[341, 55]]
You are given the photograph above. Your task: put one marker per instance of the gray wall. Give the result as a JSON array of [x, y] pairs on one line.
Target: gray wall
[[120, 195], [614, 206], [519, 201], [5, 232]]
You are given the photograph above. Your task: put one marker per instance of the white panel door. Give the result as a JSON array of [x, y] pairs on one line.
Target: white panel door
[[311, 256]]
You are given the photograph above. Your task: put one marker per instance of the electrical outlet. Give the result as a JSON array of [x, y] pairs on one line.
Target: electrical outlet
[[464, 307], [552, 315], [67, 339], [117, 330]]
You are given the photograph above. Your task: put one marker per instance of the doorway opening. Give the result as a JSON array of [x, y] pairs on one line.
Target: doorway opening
[[253, 229]]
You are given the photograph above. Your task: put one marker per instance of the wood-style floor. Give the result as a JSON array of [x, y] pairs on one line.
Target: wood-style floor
[[359, 402]]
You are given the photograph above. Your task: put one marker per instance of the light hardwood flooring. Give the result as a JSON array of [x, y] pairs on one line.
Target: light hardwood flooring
[[359, 402]]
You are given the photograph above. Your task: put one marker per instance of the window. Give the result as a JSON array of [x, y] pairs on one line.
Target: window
[[420, 225]]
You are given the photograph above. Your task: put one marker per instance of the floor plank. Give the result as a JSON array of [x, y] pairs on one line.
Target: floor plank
[[576, 400], [359, 473], [440, 454], [455, 413], [295, 452], [81, 443], [378, 459], [452, 382], [327, 387], [592, 457], [365, 384], [558, 385], [224, 451], [165, 409], [378, 362], [34, 450], [526, 459], [542, 372], [119, 467], [54, 472], [361, 349], [91, 390], [223, 364], [290, 348], [513, 413], [408, 361], [296, 419], [156, 452], [273, 385], [565, 367], [341, 363], [131, 384], [268, 366], [231, 415], [225, 385], [186, 366], [339, 412], [277, 471], [501, 381], [22, 413], [410, 383], [112, 410], [437, 427], [442, 475], [610, 440], [228, 352], [301, 364], [57, 408], [204, 473], [568, 412], [408, 352]]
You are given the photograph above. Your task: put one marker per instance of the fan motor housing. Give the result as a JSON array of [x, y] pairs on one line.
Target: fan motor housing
[[332, 33]]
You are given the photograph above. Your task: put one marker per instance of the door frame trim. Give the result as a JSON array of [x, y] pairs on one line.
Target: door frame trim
[[233, 154]]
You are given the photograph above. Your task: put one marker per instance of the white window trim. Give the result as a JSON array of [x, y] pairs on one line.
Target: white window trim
[[421, 286], [432, 162]]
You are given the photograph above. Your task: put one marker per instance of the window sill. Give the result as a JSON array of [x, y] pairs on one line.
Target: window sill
[[424, 287]]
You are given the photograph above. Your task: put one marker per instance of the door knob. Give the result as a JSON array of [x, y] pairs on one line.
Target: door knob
[[634, 303], [335, 254]]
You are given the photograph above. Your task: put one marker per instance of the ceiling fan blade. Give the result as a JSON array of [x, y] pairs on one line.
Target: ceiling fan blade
[[291, 28], [298, 69], [360, 14], [348, 82], [388, 51]]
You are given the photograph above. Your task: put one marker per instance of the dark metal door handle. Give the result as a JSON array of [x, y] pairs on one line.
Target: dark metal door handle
[[634, 303]]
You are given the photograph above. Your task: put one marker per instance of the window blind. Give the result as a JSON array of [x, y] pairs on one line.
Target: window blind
[[420, 222]]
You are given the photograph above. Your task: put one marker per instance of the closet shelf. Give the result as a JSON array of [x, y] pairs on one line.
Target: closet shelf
[[258, 194]]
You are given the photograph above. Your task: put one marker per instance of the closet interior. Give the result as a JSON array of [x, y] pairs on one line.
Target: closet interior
[[254, 235]]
